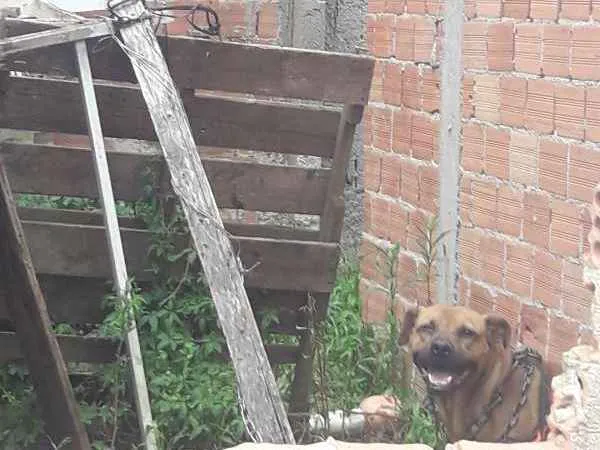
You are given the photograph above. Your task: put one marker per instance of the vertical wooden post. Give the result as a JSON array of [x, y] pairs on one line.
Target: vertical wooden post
[[115, 245], [27, 308], [260, 398]]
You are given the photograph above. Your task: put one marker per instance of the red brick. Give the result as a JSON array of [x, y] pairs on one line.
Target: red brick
[[392, 84], [473, 147], [372, 259], [513, 96], [584, 167], [484, 204], [415, 6], [592, 114], [528, 48], [407, 274], [577, 300], [510, 210], [234, 19], [377, 82], [470, 9], [540, 106], [575, 9], [546, 279], [536, 223], [555, 60], [376, 303], [380, 217], [410, 183], [376, 6], [497, 144], [380, 35], [534, 328], [398, 223], [544, 9], [586, 221], [390, 175], [516, 9], [595, 10], [382, 128], [402, 136], [470, 252], [416, 225], [372, 170], [424, 38], [564, 228], [586, 337], [562, 336], [267, 19], [468, 86], [411, 88], [394, 6], [423, 137], [179, 26], [523, 158], [434, 7], [464, 291], [487, 98], [492, 260], [509, 307], [430, 89], [488, 8], [405, 38], [367, 210], [368, 127], [519, 268], [465, 200], [553, 166], [481, 299], [569, 110], [71, 140], [500, 46], [474, 49], [429, 177], [585, 61]]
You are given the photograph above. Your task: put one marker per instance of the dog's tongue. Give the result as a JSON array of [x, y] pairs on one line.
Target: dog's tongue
[[440, 378]]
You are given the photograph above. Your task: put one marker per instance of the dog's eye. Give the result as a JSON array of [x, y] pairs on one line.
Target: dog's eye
[[467, 332], [426, 328]]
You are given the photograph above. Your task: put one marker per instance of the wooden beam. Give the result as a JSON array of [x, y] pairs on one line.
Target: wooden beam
[[101, 350], [115, 247], [38, 104], [78, 250], [332, 220], [28, 310], [43, 39], [220, 66], [52, 170], [259, 395], [79, 217]]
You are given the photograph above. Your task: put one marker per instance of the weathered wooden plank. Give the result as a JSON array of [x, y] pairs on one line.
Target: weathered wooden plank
[[79, 250], [43, 39], [257, 388], [78, 301], [221, 66], [332, 219], [28, 310], [93, 350], [115, 247], [79, 217], [52, 170], [99, 350], [39, 104]]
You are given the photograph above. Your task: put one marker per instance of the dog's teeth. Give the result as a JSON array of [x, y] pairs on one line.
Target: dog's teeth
[[440, 378]]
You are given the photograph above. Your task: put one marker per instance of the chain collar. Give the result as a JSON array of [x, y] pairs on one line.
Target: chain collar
[[524, 357]]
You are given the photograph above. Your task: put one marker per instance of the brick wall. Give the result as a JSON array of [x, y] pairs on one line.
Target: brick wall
[[530, 155]]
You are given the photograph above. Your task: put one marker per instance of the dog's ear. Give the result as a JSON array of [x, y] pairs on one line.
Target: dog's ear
[[410, 318], [498, 330]]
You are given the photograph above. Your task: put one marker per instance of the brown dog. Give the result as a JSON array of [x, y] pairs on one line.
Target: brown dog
[[478, 388]]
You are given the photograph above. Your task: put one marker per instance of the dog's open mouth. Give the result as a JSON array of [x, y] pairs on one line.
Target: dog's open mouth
[[442, 381]]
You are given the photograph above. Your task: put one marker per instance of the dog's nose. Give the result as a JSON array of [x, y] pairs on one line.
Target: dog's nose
[[440, 348]]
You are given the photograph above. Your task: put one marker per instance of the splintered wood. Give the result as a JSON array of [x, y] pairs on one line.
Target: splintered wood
[[259, 396]]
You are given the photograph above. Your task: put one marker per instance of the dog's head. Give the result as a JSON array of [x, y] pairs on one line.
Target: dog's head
[[453, 344]]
